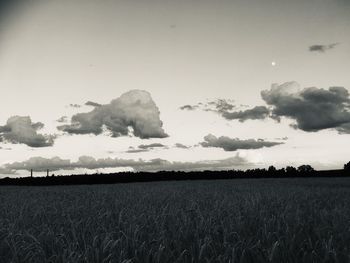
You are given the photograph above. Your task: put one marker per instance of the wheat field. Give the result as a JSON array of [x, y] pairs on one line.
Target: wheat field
[[243, 220]]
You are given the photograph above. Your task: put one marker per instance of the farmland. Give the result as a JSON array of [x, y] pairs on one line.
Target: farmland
[[242, 220]]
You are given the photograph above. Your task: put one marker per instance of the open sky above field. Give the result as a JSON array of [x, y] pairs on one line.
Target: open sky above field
[[116, 85]]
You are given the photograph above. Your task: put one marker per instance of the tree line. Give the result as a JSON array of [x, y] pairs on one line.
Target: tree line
[[129, 177]]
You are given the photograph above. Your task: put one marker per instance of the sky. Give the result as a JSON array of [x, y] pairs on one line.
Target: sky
[[195, 84]]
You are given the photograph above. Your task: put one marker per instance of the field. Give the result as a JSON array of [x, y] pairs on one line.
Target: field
[[242, 220]]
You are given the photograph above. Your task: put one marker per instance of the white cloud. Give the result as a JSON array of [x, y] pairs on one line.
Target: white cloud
[[134, 111], [21, 129]]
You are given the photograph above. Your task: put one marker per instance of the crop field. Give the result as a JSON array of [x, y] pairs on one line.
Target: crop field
[[242, 220]]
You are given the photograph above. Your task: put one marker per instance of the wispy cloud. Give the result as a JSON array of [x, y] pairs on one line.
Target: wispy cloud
[[255, 113], [181, 146], [145, 147], [322, 48], [234, 144], [151, 146], [228, 110]]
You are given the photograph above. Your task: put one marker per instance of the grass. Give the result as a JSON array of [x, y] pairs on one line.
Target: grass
[[261, 220]]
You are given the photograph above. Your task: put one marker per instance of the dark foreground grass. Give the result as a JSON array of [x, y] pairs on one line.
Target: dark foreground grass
[[261, 220]]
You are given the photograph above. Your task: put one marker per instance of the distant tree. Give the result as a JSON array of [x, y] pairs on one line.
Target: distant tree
[[282, 170], [272, 169], [347, 166], [291, 169], [305, 168]]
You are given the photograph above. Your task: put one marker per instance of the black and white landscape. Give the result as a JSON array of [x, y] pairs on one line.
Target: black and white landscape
[[193, 91]]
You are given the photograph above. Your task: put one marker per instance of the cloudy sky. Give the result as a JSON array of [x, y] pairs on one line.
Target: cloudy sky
[[113, 85]]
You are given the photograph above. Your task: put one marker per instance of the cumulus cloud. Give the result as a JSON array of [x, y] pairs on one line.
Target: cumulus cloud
[[88, 162], [322, 48], [93, 104], [21, 129], [134, 110], [256, 113], [312, 108], [234, 144]]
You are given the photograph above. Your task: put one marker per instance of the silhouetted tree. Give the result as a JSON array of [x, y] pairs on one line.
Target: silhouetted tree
[[282, 170], [347, 166], [305, 168], [272, 169], [291, 169]]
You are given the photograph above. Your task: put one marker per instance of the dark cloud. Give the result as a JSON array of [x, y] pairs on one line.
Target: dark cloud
[[87, 162], [20, 129], [133, 112], [151, 146], [234, 144], [93, 104], [145, 147], [313, 109], [225, 107], [256, 113], [189, 107], [344, 128], [322, 48], [136, 150], [182, 146]]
